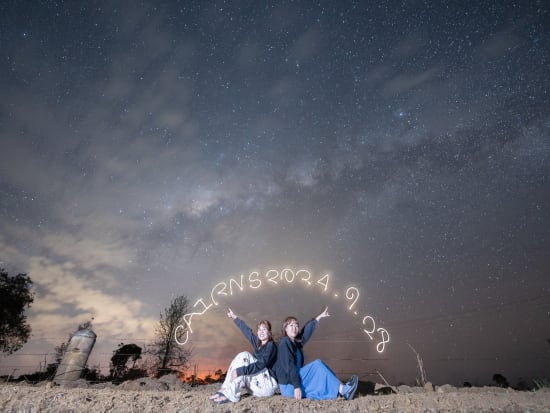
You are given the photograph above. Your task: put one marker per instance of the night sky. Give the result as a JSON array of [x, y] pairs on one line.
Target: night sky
[[153, 149]]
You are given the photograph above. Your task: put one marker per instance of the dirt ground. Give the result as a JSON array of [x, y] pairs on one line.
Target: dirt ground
[[170, 395]]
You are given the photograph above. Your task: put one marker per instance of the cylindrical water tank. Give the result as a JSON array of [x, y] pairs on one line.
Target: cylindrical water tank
[[76, 357]]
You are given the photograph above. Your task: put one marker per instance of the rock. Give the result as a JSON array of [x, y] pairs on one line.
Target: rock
[[382, 389], [80, 384], [145, 383], [446, 388], [172, 381]]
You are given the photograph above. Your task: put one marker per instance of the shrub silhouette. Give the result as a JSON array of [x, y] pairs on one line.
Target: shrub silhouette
[[500, 380]]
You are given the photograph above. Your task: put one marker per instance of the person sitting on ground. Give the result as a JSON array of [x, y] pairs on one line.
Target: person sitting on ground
[[252, 372], [315, 380]]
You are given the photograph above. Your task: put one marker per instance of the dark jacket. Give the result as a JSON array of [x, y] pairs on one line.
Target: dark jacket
[[265, 355], [287, 368]]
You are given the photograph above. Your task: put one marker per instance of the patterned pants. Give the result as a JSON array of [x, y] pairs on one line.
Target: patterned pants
[[260, 384]]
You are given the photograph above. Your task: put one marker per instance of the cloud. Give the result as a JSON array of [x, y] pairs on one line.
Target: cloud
[[306, 45], [499, 44], [305, 173], [408, 47], [66, 299], [404, 82]]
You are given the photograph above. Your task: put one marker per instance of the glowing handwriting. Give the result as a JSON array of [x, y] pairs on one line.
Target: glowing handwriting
[[255, 280], [187, 318], [323, 281], [352, 293]]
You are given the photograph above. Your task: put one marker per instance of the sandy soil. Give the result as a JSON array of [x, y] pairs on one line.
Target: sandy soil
[[168, 396]]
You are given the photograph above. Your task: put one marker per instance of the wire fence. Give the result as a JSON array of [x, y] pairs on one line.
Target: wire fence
[[21, 362]]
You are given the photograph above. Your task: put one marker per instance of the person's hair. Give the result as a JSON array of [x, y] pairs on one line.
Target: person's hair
[[286, 322], [268, 325]]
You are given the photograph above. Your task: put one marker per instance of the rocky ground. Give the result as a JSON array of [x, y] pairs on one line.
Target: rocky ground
[[169, 395]]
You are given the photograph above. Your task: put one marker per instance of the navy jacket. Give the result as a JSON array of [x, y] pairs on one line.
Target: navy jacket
[[265, 355], [287, 368]]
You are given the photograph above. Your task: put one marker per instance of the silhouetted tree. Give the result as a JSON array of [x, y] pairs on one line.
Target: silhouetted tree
[[60, 351], [15, 296], [500, 380], [168, 355], [92, 374], [121, 356], [86, 325], [522, 384], [220, 375]]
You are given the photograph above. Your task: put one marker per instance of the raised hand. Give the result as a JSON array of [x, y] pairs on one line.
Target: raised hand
[[323, 314]]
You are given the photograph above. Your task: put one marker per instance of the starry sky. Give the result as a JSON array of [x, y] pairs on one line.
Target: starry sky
[[154, 149]]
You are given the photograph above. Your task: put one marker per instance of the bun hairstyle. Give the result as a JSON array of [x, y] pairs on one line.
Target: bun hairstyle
[[286, 322]]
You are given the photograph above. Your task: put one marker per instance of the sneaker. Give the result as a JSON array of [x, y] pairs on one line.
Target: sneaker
[[349, 389]]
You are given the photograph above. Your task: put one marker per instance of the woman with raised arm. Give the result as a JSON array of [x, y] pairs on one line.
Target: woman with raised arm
[[250, 371], [315, 380]]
